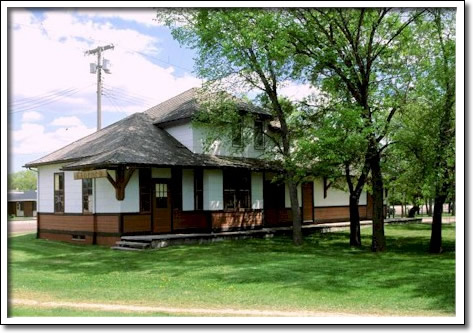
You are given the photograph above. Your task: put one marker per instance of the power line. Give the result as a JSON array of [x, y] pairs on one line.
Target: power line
[[127, 98], [40, 103], [116, 106], [28, 100], [124, 101], [134, 94], [58, 98]]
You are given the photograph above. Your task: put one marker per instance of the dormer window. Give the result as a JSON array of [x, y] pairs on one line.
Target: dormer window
[[258, 134]]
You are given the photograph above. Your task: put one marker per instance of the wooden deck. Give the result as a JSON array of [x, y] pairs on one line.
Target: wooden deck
[[141, 242]]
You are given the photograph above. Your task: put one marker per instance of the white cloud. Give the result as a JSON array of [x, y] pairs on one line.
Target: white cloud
[[48, 56], [67, 121], [297, 91], [145, 16], [31, 116], [32, 138], [58, 61]]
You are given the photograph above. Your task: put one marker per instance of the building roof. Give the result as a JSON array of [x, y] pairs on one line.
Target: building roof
[[135, 140], [132, 140], [22, 196], [186, 104]]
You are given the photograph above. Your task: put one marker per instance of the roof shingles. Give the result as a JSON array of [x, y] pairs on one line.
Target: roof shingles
[[135, 140]]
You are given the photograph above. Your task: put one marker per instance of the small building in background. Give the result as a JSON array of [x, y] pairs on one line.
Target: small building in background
[[22, 204]]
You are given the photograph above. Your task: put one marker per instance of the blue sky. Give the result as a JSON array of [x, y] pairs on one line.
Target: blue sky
[[53, 95]]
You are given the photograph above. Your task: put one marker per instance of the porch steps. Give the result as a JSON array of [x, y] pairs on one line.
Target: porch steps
[[132, 245]]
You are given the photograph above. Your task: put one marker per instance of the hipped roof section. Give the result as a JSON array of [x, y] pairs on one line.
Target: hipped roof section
[[136, 141], [188, 103]]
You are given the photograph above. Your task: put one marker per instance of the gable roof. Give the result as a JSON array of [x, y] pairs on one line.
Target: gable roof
[[22, 196], [186, 104]]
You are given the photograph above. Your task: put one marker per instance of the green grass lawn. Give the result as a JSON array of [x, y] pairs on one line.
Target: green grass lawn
[[26, 311], [16, 218], [322, 275]]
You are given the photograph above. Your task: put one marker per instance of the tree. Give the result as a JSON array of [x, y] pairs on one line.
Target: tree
[[428, 129], [25, 180], [246, 48], [363, 52], [330, 146]]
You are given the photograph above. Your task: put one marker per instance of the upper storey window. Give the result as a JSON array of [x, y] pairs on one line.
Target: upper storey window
[[258, 134]]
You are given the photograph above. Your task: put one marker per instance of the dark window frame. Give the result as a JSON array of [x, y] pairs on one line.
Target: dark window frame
[[88, 188], [59, 192], [258, 134], [274, 195], [198, 189], [236, 190], [145, 190], [237, 134]]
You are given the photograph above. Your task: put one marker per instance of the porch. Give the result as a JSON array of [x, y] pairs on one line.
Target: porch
[[142, 242]]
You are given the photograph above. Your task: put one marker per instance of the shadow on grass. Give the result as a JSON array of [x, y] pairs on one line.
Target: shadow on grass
[[324, 263]]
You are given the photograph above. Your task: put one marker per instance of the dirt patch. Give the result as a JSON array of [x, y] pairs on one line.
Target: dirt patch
[[171, 310]]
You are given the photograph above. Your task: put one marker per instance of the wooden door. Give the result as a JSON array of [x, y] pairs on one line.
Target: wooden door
[[308, 202], [162, 207]]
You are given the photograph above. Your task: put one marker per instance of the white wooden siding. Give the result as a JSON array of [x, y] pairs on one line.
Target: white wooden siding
[[46, 186], [187, 189], [363, 198], [335, 197], [106, 201], [213, 189], [72, 193], [224, 148], [257, 190], [183, 133], [131, 204]]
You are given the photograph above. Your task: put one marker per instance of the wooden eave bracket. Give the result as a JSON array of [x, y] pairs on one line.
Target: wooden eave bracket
[[123, 176], [326, 186]]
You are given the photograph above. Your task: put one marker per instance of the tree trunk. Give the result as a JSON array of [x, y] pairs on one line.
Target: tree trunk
[[413, 211], [296, 213], [355, 235], [436, 236], [402, 209], [378, 241]]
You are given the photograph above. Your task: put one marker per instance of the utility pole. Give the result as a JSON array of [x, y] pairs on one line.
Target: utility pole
[[98, 68]]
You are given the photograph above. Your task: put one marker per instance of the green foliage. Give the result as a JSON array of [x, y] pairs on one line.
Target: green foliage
[[240, 51], [384, 77], [246, 274], [22, 180], [422, 162], [360, 60]]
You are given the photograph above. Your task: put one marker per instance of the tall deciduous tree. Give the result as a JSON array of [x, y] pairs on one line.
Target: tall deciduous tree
[[427, 135], [331, 146], [363, 52], [246, 46]]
